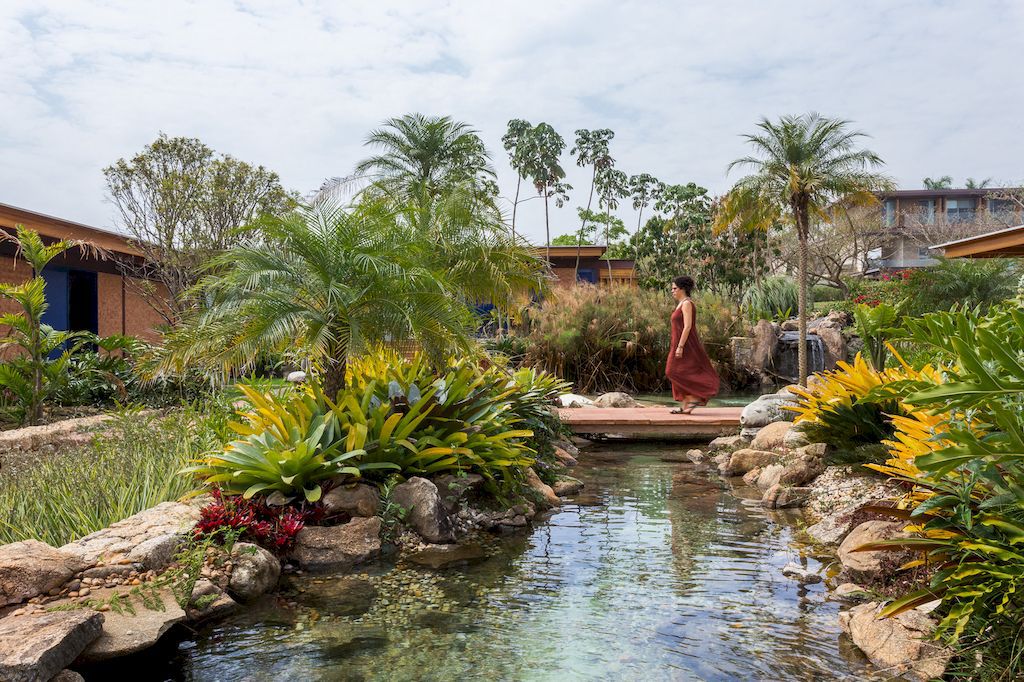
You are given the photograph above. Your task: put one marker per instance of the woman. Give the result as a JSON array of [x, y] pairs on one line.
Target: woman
[[688, 368]]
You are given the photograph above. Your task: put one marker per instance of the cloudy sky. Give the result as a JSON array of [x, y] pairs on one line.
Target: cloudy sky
[[296, 85]]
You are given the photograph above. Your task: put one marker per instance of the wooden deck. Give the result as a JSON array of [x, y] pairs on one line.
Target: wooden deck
[[652, 422]]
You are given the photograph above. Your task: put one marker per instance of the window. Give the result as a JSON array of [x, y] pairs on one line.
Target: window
[[926, 211], [889, 212], [924, 252], [1004, 211], [960, 210]]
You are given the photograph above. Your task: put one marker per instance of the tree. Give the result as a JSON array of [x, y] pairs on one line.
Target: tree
[[977, 184], [329, 282], [802, 166], [644, 188], [31, 376], [613, 185], [423, 157], [517, 141], [591, 149], [181, 204], [945, 182], [545, 169]]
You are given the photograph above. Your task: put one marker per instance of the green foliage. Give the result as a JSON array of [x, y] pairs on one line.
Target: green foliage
[[962, 282], [772, 298], [968, 486], [875, 326], [617, 339], [130, 468], [821, 293]]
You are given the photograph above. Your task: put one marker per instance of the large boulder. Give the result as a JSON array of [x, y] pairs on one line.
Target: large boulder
[[128, 540], [359, 499], [36, 647], [768, 476], [574, 400], [615, 399], [543, 490], [900, 644], [802, 470], [766, 410], [795, 437], [869, 564], [727, 443], [208, 601], [567, 486], [255, 571], [425, 511], [565, 457], [127, 633], [453, 489], [770, 436], [30, 568], [784, 497], [835, 345], [333, 547], [742, 461]]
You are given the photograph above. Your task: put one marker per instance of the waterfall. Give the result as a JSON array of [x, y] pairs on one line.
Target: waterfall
[[786, 364]]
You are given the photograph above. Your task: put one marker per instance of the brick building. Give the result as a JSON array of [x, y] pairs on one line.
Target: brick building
[[592, 267], [84, 292]]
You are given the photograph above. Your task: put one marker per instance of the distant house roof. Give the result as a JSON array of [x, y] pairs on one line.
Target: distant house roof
[[586, 251], [1006, 243], [58, 228], [936, 193]]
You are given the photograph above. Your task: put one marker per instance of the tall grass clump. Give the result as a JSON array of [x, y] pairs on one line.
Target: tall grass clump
[[773, 298], [617, 339], [132, 467]]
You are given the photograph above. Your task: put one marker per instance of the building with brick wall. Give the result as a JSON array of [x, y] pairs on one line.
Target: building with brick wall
[[86, 292], [593, 268]]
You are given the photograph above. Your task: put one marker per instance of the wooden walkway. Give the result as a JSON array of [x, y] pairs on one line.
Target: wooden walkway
[[652, 422]]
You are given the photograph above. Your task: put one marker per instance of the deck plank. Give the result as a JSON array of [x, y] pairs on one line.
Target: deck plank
[[648, 421]]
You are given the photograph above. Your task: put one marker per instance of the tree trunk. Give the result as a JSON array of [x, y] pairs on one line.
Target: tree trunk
[[607, 240], [579, 242], [334, 378], [547, 224], [802, 300], [515, 205]]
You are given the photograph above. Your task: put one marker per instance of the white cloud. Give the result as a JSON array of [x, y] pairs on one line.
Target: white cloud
[[296, 86]]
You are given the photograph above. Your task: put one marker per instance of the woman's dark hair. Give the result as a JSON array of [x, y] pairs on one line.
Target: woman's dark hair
[[684, 282]]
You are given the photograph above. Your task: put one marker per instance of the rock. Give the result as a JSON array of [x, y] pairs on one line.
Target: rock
[[770, 436], [833, 528], [835, 345], [750, 478], [802, 470], [839, 492], [900, 645], [30, 568], [795, 437], [441, 556], [126, 633], [565, 458], [869, 564], [330, 547], [615, 399], [767, 410], [255, 571], [791, 325], [766, 339], [795, 570], [849, 591], [425, 511], [568, 447], [722, 459], [296, 377], [355, 500], [694, 455], [68, 676], [541, 488], [574, 400], [784, 497], [117, 541], [38, 646], [675, 456], [208, 601], [818, 450], [727, 443], [453, 489], [567, 486], [157, 552], [742, 461], [769, 476]]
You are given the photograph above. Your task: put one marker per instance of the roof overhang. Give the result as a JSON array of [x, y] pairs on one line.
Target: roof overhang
[[58, 228], [1006, 243]]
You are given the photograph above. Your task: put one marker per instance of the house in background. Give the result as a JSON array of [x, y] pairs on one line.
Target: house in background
[[84, 292], [914, 219], [592, 267]]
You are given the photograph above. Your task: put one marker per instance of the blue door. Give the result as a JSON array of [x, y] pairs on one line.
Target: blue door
[[56, 297]]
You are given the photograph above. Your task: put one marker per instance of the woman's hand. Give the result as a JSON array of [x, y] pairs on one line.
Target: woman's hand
[[679, 351]]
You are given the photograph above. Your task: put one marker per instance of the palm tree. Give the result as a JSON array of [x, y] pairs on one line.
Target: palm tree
[[326, 281], [977, 184], [802, 166], [422, 157], [945, 182]]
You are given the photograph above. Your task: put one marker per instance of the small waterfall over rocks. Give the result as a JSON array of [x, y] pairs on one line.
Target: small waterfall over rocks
[[786, 362]]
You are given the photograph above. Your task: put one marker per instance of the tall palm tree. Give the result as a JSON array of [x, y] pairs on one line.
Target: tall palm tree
[[327, 281], [945, 182], [802, 166], [422, 157]]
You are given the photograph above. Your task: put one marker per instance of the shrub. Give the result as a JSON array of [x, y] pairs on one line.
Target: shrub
[[617, 339], [826, 293], [271, 527], [773, 298], [132, 467], [962, 282]]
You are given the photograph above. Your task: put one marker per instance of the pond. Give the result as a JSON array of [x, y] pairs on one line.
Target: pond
[[657, 571], [724, 400]]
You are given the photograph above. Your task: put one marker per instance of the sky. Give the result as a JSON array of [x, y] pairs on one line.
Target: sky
[[297, 85]]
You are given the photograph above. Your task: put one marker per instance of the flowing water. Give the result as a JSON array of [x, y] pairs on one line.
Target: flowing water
[[656, 572]]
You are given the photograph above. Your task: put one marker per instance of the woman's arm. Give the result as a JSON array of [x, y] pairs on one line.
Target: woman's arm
[[687, 309]]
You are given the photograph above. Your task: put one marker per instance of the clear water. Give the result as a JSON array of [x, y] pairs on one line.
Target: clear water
[[657, 572], [733, 400]]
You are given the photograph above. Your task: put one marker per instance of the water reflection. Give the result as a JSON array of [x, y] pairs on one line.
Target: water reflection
[[663, 574]]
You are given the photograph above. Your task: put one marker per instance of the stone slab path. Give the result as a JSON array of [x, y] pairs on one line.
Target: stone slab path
[[648, 422]]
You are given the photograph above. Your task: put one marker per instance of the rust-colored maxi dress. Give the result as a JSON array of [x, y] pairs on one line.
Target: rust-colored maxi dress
[[691, 374]]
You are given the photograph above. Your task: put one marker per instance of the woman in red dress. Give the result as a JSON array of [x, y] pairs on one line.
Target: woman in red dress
[[689, 369]]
